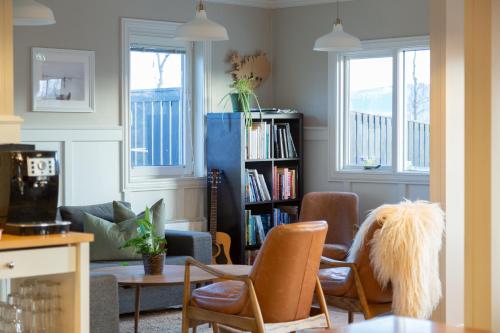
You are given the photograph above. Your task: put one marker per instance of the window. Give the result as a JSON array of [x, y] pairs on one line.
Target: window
[[156, 85], [157, 106], [381, 108]]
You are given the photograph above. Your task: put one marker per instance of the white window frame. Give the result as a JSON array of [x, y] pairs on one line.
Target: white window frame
[[160, 33], [336, 111]]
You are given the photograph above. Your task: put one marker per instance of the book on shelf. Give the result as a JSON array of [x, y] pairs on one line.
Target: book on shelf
[[258, 141], [284, 147], [285, 215], [257, 227], [255, 187], [285, 183]]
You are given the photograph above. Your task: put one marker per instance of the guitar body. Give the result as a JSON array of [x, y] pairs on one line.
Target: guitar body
[[221, 242], [220, 249]]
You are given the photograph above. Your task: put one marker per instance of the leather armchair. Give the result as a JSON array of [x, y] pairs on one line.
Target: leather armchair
[[352, 286], [340, 211], [277, 294]]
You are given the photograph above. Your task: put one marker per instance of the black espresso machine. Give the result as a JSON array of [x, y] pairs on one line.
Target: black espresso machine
[[29, 186]]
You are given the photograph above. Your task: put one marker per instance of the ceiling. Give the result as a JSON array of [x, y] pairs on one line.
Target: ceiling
[[274, 3]]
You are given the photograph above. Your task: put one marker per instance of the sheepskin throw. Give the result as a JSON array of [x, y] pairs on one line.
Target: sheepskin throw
[[405, 252]]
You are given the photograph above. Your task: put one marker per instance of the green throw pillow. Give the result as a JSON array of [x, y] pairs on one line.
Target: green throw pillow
[[123, 214], [109, 237]]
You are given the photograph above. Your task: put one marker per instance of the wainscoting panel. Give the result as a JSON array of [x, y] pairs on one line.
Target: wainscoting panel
[[91, 173], [371, 194]]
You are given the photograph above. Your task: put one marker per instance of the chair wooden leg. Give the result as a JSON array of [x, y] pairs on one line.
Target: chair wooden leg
[[350, 317], [194, 328], [215, 327], [186, 299], [322, 302]]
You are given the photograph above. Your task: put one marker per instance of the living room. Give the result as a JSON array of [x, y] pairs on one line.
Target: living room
[[102, 155]]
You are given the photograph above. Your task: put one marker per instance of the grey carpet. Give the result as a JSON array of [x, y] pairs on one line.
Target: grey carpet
[[169, 321]]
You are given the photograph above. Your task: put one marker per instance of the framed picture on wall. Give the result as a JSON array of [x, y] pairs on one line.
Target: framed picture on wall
[[62, 80]]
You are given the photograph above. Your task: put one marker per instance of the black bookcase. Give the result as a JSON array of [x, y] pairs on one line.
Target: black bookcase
[[226, 152]]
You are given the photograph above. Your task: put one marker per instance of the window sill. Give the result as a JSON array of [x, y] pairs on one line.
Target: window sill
[[164, 183], [377, 176]]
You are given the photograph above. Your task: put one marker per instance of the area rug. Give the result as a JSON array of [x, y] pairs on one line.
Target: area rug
[[169, 321]]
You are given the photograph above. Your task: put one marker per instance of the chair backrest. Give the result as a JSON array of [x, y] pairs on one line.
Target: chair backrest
[[285, 270], [374, 292], [338, 209]]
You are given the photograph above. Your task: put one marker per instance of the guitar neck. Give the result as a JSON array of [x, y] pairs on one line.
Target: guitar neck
[[213, 211]]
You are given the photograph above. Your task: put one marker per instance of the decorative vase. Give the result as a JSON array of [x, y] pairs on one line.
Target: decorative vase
[[236, 103], [153, 265]]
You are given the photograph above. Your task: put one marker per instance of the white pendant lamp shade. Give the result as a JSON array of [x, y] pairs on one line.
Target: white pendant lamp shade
[[337, 41], [201, 28], [30, 12]]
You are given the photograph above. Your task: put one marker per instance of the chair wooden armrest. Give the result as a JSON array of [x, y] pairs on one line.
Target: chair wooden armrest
[[337, 263], [215, 272]]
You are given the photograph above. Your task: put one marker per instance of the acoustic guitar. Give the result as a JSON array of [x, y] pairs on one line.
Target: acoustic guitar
[[221, 242]]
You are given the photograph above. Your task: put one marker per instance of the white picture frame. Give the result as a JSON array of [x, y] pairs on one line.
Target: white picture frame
[[62, 80]]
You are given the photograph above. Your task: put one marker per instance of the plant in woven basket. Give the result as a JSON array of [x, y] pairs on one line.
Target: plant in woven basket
[[147, 243]]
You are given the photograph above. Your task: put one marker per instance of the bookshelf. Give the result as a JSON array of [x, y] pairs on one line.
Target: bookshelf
[[227, 150]]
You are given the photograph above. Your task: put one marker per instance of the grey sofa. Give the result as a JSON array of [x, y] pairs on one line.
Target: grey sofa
[[107, 301]]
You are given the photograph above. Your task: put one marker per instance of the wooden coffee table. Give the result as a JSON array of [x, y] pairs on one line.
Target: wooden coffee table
[[133, 276]]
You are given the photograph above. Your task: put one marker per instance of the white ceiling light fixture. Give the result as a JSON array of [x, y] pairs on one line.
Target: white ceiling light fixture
[[30, 12], [201, 28], [338, 40]]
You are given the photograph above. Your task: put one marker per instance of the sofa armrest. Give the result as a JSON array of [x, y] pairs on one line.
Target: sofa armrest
[[189, 243], [104, 306]]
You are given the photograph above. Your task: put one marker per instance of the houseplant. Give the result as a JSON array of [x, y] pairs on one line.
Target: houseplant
[[241, 94], [149, 245]]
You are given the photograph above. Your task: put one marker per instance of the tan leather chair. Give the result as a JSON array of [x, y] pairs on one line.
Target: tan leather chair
[[352, 286], [340, 211], [278, 293]]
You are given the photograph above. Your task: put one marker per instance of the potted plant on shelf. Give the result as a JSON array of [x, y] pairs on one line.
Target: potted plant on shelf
[[147, 243], [241, 94]]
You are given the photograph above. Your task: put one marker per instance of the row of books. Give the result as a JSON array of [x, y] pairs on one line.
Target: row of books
[[258, 141], [257, 226], [284, 146], [285, 215], [285, 183], [255, 187]]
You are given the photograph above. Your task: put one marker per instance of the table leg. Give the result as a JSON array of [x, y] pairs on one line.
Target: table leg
[[137, 308]]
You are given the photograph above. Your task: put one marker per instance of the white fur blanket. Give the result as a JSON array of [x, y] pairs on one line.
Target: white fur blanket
[[405, 252]]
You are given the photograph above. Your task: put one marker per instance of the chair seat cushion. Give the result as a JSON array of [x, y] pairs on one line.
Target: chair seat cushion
[[335, 251], [335, 281], [228, 297]]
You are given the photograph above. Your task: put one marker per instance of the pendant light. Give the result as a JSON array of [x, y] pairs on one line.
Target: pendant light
[[30, 12], [337, 40], [201, 28]]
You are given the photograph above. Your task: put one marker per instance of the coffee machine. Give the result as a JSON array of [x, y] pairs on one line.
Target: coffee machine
[[29, 186]]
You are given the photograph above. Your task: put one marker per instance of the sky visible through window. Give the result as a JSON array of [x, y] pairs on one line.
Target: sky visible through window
[[371, 84], [147, 74]]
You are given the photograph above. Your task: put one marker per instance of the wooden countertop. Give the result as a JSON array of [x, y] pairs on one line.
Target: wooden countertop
[[10, 242]]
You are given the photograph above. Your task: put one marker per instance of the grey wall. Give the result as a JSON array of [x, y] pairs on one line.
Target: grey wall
[[95, 25], [300, 74]]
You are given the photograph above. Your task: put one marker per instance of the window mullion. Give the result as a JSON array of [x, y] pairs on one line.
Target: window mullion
[[396, 116]]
